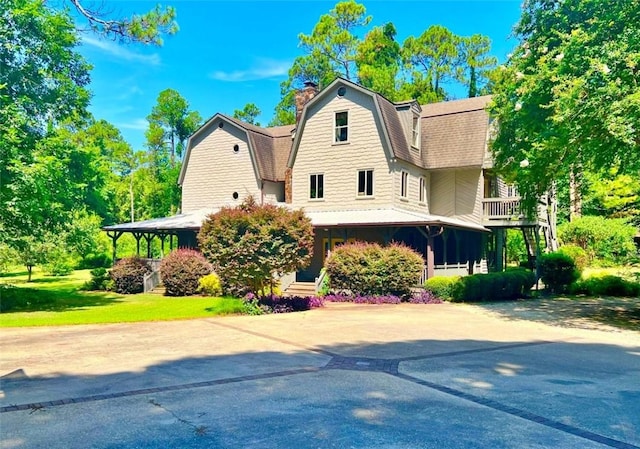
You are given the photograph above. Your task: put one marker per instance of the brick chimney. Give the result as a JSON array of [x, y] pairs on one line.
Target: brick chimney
[[303, 96]]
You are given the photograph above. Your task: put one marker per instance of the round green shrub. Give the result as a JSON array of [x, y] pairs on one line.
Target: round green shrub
[[181, 271], [441, 286], [606, 285], [128, 275], [558, 271], [368, 269], [578, 254], [210, 285]]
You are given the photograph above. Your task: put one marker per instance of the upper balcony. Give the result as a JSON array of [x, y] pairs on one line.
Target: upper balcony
[[507, 212]]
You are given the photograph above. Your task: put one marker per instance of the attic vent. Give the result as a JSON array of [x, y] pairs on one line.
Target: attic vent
[[341, 91], [220, 125], [236, 148], [235, 195]]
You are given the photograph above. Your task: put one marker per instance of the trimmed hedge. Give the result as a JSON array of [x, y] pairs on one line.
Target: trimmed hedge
[[128, 275], [577, 254], [558, 271], [441, 286], [181, 271], [606, 285], [367, 269], [505, 285]]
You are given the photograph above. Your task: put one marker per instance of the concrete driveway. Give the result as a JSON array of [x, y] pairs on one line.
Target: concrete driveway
[[346, 376]]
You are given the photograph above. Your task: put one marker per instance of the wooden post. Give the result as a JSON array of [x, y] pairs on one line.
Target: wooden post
[[148, 237], [137, 236], [115, 235]]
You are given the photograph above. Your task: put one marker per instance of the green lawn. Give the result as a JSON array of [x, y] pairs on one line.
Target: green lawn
[[54, 301]]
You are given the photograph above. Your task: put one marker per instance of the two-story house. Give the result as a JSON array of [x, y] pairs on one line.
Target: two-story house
[[362, 168]]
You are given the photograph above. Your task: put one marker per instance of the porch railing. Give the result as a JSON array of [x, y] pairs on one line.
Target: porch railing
[[510, 209], [151, 280], [454, 269], [501, 208]]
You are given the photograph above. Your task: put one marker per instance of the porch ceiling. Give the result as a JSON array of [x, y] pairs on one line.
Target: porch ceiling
[[192, 220], [387, 217]]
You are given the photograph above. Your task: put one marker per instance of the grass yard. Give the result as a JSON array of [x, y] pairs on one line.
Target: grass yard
[[54, 301]]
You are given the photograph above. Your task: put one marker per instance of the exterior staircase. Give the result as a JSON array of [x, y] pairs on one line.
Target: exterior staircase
[[300, 289]]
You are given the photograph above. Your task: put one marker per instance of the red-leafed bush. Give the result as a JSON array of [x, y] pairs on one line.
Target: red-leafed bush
[[181, 272], [252, 244], [128, 275]]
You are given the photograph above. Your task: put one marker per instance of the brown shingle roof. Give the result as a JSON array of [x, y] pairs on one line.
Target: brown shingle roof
[[397, 137], [271, 147], [454, 133]]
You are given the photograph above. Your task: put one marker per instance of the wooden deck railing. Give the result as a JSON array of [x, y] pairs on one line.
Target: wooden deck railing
[[509, 209]]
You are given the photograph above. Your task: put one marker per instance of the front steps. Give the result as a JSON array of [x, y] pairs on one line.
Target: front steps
[[300, 289]]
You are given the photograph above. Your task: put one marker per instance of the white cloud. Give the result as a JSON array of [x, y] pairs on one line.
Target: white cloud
[[264, 68], [139, 124], [121, 52]]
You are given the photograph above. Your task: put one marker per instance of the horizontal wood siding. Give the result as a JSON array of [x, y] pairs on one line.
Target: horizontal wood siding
[[215, 171], [340, 163], [412, 201], [469, 187], [457, 193], [443, 193]]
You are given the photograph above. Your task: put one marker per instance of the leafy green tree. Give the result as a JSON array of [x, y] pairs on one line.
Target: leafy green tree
[[378, 61], [330, 51], [32, 251], [84, 237], [146, 28], [606, 240], [248, 114], [568, 96], [171, 122], [333, 38], [432, 57], [251, 244], [616, 196], [475, 63]]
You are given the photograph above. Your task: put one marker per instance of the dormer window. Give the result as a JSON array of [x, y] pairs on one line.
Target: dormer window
[[342, 127], [415, 131]]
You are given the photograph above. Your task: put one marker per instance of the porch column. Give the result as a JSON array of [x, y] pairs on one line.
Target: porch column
[[137, 236], [163, 237], [445, 241], [115, 235], [500, 250], [148, 237], [430, 256]]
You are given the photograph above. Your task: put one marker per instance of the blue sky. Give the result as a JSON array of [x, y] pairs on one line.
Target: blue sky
[[229, 53]]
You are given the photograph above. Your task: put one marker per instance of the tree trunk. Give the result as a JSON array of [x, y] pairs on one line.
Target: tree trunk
[[575, 196], [131, 197]]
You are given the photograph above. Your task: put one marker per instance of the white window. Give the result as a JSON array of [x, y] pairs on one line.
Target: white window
[[342, 127], [365, 182], [404, 184], [316, 186], [422, 195], [415, 132]]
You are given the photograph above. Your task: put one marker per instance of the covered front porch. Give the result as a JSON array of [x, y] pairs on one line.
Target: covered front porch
[[178, 231], [449, 246]]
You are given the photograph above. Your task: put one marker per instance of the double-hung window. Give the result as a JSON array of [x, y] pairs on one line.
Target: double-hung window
[[365, 182], [342, 127], [404, 184], [316, 186], [422, 195], [415, 132]]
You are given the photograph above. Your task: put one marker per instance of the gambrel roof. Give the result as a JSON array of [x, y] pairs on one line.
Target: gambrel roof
[[269, 147], [453, 134]]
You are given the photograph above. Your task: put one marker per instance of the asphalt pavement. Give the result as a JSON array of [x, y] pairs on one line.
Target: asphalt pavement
[[345, 376]]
